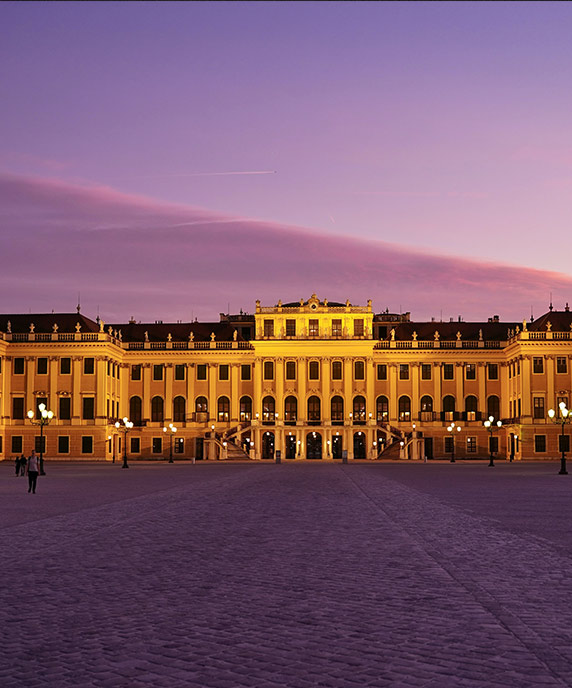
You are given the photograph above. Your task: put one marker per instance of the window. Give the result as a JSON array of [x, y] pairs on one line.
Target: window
[[269, 328], [471, 405], [179, 409], [337, 407], [448, 371], [268, 372], [493, 407], [136, 372], [245, 373], [314, 410], [135, 410], [359, 370], [290, 410], [471, 445], [538, 407], [87, 445], [358, 328], [179, 444], [493, 370], [404, 408], [381, 371], [88, 366], [202, 371], [382, 409], [42, 366], [290, 370], [290, 328], [201, 405], [404, 371], [539, 443], [449, 407], [64, 408], [135, 447], [180, 371], [470, 371], [88, 408], [314, 370], [63, 444], [157, 445], [65, 366], [158, 372], [268, 410], [223, 372], [449, 444], [337, 370], [359, 410], [425, 371], [17, 447], [223, 410], [561, 364], [563, 443], [157, 410], [313, 328], [18, 366], [336, 328], [18, 408], [537, 364], [426, 405], [245, 409]]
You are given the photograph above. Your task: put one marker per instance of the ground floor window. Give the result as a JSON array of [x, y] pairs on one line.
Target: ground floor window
[[63, 444], [87, 444], [157, 445], [472, 445], [135, 445], [179, 445], [17, 444], [539, 443]]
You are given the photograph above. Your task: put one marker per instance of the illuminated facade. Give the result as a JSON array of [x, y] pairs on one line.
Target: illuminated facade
[[311, 379]]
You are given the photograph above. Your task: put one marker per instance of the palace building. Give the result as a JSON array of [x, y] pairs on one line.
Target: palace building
[[311, 379]]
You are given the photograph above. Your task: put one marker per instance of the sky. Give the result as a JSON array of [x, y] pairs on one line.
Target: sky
[[177, 160]]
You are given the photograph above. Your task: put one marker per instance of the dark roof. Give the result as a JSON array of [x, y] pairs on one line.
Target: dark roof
[[159, 332], [44, 322], [559, 320], [495, 331]]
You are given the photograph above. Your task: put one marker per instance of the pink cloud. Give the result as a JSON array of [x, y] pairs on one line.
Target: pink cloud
[[132, 255]]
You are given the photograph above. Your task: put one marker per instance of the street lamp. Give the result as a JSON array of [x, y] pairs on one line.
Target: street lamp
[[452, 428], [44, 419], [565, 417], [125, 428], [172, 430], [490, 426]]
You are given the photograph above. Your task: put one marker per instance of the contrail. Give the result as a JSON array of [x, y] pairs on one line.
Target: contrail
[[201, 174]]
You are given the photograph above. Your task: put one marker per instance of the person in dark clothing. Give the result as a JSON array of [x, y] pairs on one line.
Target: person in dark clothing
[[33, 470], [23, 465], [17, 462]]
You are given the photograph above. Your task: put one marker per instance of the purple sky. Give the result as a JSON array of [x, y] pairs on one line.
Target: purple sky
[[422, 156]]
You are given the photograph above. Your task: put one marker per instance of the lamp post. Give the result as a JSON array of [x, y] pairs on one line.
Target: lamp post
[[565, 417], [491, 426], [172, 430], [45, 417], [125, 428], [452, 429]]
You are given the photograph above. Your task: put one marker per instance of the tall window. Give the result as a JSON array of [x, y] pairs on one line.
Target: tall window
[[313, 328], [64, 411], [18, 366], [290, 410], [245, 409], [268, 410], [201, 405], [448, 371], [471, 407], [157, 410], [135, 406], [65, 366], [359, 410], [359, 370], [314, 410], [538, 405], [471, 371], [42, 366], [449, 407], [539, 443], [290, 370], [493, 371], [290, 327], [381, 371], [537, 364], [337, 370], [268, 370], [404, 408], [180, 372], [245, 372], [336, 327], [223, 409], [179, 409], [88, 408], [493, 407], [314, 370], [136, 372], [358, 328], [201, 371], [89, 366], [337, 407], [269, 328], [561, 364], [425, 371], [18, 408], [426, 404], [404, 371], [158, 372], [223, 371], [382, 409]]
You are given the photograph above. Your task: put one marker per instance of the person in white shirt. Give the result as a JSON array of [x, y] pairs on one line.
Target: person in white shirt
[[32, 470]]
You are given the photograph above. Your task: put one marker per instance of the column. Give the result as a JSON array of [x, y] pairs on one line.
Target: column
[[101, 388], [525, 379], [257, 401], [482, 399], [415, 391], [370, 389], [505, 395], [459, 387], [392, 370], [77, 362], [146, 370], [169, 374], [234, 393], [325, 375], [212, 375], [437, 389]]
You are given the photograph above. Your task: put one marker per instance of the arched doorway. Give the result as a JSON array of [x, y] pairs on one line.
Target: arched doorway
[[290, 451], [268, 445], [359, 445], [313, 445], [337, 446]]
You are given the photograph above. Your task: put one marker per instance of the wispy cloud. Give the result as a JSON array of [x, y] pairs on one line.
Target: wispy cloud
[[422, 194], [200, 174]]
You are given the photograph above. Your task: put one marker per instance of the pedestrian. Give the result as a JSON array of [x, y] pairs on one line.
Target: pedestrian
[[23, 465], [33, 471], [17, 462]]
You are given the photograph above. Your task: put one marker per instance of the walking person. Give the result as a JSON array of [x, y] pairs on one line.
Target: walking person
[[33, 470], [17, 462], [23, 465]]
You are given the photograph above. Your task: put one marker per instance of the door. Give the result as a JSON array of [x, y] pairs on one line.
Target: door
[[290, 447], [359, 445], [337, 446], [428, 447], [314, 445]]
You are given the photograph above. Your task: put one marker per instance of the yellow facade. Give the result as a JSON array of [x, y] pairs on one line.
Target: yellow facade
[[310, 379]]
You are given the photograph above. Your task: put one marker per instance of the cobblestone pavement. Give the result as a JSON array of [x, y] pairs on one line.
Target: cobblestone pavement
[[231, 576]]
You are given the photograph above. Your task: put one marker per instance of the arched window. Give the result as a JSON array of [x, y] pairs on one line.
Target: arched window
[[201, 409], [426, 403], [290, 410], [404, 407], [223, 408], [245, 409], [314, 411], [268, 410], [382, 409], [493, 407], [135, 410], [157, 410], [179, 409], [449, 407], [337, 406], [359, 410], [471, 405]]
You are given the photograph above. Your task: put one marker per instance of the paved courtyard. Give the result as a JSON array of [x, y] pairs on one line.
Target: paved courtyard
[[313, 574]]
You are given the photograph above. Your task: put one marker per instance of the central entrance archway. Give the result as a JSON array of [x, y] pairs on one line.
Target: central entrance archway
[[337, 446], [268, 445], [359, 445], [290, 447], [313, 445]]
